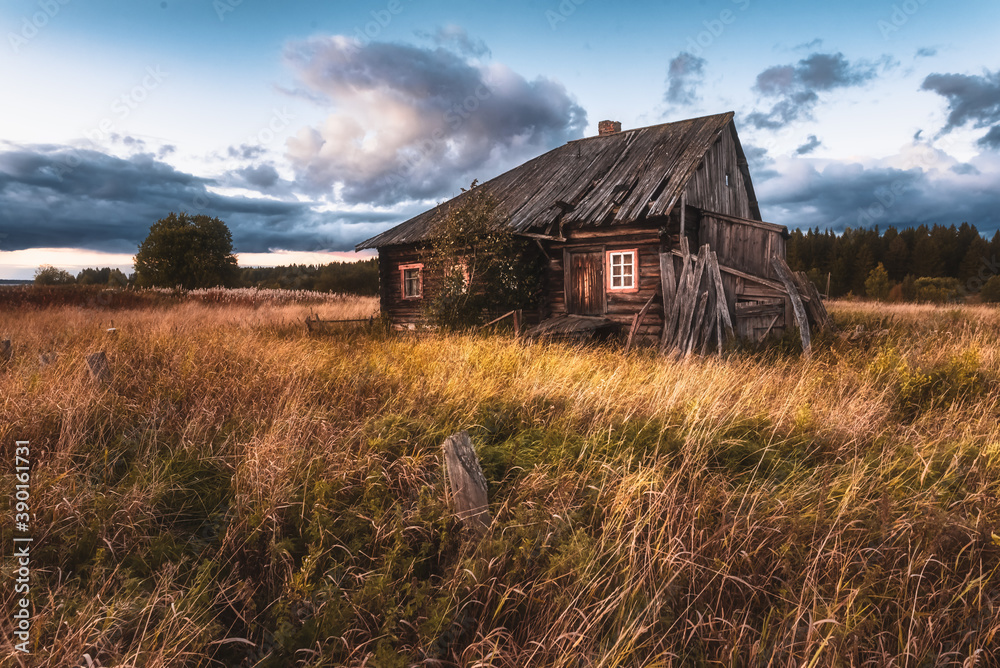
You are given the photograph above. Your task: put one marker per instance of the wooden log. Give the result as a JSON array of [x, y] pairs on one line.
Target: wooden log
[[6, 350], [749, 277], [785, 274], [467, 485], [721, 301], [668, 285], [97, 363], [700, 308], [817, 311], [637, 322], [770, 327], [670, 325], [691, 299]]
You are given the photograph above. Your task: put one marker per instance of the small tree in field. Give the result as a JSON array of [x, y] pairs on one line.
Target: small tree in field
[[482, 267], [877, 284], [49, 275], [190, 251]]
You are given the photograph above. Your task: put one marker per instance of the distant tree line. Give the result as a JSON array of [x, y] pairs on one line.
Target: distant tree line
[[913, 264], [358, 278]]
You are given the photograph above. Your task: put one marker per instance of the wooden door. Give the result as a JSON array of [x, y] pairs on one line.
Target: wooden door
[[586, 285]]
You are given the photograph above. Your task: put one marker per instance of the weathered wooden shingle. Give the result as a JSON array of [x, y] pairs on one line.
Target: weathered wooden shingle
[[610, 180]]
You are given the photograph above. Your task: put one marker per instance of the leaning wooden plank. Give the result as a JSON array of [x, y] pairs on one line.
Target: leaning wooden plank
[[785, 274], [823, 319], [708, 330], [750, 277], [466, 481], [699, 318], [668, 284], [670, 325], [691, 299], [705, 332], [770, 327], [637, 322], [721, 301]]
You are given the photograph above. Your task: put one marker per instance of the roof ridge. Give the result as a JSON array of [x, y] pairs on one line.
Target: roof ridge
[[731, 114]]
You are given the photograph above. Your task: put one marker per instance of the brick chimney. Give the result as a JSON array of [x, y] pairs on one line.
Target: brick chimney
[[605, 128]]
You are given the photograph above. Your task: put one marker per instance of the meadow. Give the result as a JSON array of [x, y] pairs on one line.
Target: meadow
[[244, 494]]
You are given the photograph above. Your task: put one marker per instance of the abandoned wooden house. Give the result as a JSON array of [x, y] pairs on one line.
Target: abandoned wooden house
[[655, 230]]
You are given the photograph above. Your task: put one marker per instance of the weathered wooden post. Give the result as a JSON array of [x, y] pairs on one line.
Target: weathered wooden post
[[785, 274], [467, 485], [99, 369]]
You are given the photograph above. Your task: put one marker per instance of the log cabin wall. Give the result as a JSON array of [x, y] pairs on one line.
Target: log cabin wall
[[404, 313], [620, 307]]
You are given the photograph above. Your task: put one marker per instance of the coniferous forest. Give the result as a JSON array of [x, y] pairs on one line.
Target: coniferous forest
[[912, 264]]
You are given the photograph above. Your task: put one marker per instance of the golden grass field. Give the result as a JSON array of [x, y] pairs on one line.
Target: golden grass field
[[244, 494]]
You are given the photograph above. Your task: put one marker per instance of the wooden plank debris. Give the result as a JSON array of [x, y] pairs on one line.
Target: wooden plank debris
[[668, 284], [637, 322], [814, 305], [785, 274], [315, 325], [699, 313], [466, 483]]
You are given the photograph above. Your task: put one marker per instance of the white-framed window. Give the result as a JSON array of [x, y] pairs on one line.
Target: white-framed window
[[411, 279], [622, 270]]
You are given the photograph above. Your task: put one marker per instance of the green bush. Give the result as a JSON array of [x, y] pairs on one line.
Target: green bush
[[938, 290]]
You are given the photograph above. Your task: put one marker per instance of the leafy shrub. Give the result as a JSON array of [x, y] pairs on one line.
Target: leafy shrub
[[938, 290], [485, 269]]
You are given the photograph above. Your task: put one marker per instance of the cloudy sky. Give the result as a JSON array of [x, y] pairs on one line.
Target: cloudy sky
[[310, 125]]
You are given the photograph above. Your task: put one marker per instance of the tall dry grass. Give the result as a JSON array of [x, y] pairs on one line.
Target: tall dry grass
[[244, 494]]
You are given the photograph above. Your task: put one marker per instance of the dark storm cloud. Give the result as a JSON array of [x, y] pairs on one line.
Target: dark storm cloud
[[58, 196], [684, 75], [812, 143], [796, 88], [413, 123], [992, 139], [262, 177], [971, 98], [840, 195]]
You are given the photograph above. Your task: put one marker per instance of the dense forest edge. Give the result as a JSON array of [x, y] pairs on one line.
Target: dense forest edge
[[926, 264]]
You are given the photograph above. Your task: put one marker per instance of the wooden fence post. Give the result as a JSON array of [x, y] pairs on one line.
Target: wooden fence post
[[467, 485], [98, 365]]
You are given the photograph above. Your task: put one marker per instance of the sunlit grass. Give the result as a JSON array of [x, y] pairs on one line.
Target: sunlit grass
[[244, 492]]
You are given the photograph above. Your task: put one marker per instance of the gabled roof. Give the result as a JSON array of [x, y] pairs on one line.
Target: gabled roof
[[610, 180]]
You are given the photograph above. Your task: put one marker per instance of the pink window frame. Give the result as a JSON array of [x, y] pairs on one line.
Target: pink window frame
[[402, 280], [635, 270]]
